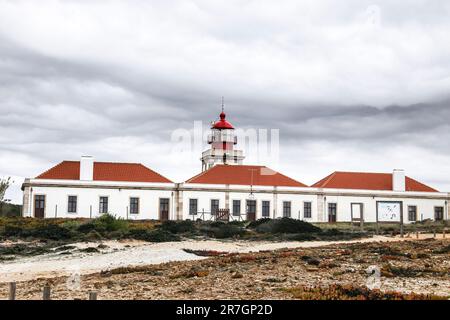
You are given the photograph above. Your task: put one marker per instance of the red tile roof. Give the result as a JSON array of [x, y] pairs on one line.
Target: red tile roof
[[368, 181], [242, 175], [105, 171]]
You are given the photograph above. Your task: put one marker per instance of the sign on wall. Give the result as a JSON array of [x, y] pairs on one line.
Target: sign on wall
[[389, 211]]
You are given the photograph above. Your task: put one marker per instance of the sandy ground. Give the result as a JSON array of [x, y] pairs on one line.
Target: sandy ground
[[135, 253], [416, 267]]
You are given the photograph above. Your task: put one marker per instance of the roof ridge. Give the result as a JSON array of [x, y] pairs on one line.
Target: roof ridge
[[362, 172]]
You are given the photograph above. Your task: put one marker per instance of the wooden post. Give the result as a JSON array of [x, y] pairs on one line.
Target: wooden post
[[401, 220], [417, 235], [434, 233], [92, 295], [443, 233], [46, 293], [12, 291]]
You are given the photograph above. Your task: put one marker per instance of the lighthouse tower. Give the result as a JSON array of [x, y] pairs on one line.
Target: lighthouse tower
[[222, 141]]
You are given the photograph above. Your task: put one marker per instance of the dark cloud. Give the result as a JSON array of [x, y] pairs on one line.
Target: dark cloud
[[356, 86]]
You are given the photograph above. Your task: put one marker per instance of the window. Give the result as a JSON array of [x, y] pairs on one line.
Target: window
[[214, 206], [438, 213], [72, 204], [134, 205], [332, 212], [266, 209], [251, 206], [287, 209], [39, 202], [412, 213], [307, 209], [193, 206], [236, 207], [103, 205]]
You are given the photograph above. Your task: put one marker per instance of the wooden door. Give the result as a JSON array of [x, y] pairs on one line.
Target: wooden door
[[332, 212], [164, 209], [39, 206], [251, 210]]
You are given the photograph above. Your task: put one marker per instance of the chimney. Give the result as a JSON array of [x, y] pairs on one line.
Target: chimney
[[398, 180], [87, 168]]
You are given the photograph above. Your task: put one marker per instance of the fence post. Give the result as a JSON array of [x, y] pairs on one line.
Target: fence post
[[443, 233], [12, 291], [92, 295], [46, 293], [434, 233]]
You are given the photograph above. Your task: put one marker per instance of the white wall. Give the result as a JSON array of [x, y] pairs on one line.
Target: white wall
[[425, 207], [119, 198], [88, 200], [276, 203]]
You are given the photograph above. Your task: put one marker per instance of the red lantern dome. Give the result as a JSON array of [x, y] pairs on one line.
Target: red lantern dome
[[222, 123]]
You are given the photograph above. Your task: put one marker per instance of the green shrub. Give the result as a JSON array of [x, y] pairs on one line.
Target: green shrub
[[108, 223], [300, 237], [178, 226], [332, 232], [254, 224], [49, 231], [86, 227], [221, 230], [287, 225]]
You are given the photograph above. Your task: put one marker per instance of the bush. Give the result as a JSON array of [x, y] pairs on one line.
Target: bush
[[255, 224], [222, 230], [86, 227], [104, 224], [178, 226], [286, 225], [109, 223], [49, 231]]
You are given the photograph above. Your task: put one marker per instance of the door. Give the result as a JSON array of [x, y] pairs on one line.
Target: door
[[164, 209], [39, 206], [332, 212], [251, 210]]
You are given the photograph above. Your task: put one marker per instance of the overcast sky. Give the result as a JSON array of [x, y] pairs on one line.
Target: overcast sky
[[351, 85]]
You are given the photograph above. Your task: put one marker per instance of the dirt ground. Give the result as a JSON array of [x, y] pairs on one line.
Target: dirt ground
[[418, 266]]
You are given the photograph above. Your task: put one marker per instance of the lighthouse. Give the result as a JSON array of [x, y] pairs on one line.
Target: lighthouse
[[222, 141]]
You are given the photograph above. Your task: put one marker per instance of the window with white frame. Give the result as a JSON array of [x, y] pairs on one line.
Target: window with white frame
[[438, 213], [214, 206], [193, 206], [307, 209], [236, 207], [134, 205], [265, 209], [286, 209], [412, 213], [72, 204], [103, 205]]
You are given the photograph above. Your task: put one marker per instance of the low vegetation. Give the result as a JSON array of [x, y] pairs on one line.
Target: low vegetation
[[109, 227], [352, 292]]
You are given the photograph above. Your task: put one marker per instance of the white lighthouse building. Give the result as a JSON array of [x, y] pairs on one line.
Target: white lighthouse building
[[222, 141]]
